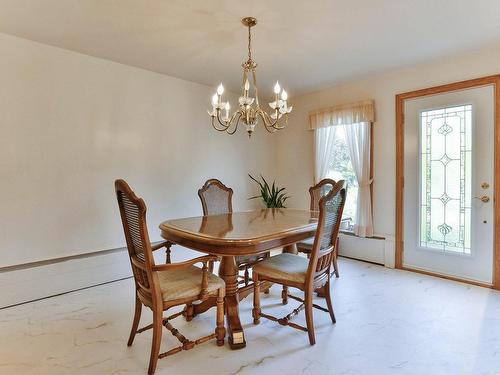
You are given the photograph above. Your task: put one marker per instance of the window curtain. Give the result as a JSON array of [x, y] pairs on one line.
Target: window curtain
[[324, 139], [358, 142], [357, 119], [352, 113]]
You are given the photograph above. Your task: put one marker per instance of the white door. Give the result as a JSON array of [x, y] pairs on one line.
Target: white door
[[448, 184]]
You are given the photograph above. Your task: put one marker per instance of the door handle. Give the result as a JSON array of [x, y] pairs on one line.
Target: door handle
[[484, 198]]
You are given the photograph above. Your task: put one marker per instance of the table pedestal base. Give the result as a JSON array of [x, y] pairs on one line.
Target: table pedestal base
[[228, 271]]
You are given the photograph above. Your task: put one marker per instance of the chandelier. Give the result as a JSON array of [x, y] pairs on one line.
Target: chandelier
[[249, 110]]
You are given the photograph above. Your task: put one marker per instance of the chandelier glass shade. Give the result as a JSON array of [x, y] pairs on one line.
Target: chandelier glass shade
[[249, 110]]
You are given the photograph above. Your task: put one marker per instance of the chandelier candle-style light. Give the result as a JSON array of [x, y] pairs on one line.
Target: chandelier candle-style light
[[249, 109]]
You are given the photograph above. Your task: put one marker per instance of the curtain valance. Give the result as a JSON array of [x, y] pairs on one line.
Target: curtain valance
[[352, 113]]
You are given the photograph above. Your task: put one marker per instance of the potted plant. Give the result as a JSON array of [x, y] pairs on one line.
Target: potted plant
[[272, 196]]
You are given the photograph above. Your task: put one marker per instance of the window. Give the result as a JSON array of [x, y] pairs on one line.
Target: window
[[342, 146], [445, 179], [340, 168]]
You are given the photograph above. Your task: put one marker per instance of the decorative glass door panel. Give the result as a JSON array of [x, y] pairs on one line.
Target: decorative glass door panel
[[448, 163], [445, 179]]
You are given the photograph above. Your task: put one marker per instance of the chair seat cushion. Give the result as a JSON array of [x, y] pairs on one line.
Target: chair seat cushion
[[284, 267], [306, 245], [186, 283]]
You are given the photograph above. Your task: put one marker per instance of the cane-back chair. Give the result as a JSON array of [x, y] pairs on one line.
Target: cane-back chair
[[216, 199], [163, 286], [317, 192], [305, 274]]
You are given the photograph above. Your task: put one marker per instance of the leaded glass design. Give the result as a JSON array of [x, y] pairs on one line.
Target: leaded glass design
[[445, 179]]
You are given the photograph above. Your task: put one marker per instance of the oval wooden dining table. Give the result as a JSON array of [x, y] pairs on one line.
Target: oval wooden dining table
[[239, 233]]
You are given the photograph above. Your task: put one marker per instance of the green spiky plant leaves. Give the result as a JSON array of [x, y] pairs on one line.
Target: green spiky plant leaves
[[272, 196]]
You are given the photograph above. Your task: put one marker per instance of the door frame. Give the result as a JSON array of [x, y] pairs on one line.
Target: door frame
[[456, 86]]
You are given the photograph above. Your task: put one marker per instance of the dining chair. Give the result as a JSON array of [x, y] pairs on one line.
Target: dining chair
[[316, 192], [302, 273], [216, 199], [163, 286]]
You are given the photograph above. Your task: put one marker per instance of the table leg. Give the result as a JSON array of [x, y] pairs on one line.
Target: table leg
[[228, 271]]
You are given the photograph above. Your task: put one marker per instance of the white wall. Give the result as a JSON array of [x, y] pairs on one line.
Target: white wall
[[70, 124], [294, 146]]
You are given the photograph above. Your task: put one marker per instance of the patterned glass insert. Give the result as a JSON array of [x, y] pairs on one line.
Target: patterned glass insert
[[445, 179]]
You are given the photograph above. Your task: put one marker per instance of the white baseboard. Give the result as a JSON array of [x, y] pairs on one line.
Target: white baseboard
[[49, 279], [376, 250]]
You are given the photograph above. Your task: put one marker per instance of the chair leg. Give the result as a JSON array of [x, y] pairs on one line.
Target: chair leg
[[335, 265], [256, 299], [155, 346], [284, 295], [189, 312], [268, 289], [309, 318], [220, 330], [168, 259], [135, 323], [247, 276], [329, 301]]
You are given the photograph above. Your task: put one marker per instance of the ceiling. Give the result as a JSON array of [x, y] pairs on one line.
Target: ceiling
[[306, 45]]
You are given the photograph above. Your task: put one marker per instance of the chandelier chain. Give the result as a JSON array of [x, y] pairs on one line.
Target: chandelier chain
[[249, 43]]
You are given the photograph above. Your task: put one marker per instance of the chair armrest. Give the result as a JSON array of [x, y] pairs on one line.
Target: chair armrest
[[170, 266], [158, 246]]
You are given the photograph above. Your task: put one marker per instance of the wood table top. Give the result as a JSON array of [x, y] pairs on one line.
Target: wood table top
[[243, 228]]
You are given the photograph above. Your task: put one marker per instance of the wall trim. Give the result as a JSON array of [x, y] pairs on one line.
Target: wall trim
[[39, 280], [63, 293], [39, 263], [448, 277]]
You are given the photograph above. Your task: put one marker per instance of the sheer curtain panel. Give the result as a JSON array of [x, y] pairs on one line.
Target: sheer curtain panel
[[358, 143], [324, 142]]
